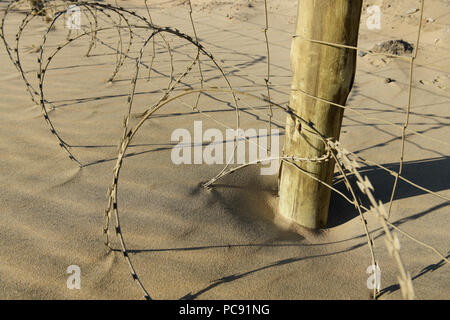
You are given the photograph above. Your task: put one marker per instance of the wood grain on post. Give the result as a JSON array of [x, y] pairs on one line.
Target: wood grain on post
[[327, 72]]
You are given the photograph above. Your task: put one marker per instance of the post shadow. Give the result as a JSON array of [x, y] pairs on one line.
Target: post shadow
[[432, 174]]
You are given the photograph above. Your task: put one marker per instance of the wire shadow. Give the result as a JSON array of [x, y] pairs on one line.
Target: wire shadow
[[430, 268]]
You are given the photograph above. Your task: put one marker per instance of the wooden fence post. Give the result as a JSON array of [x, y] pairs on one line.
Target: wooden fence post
[[327, 72]]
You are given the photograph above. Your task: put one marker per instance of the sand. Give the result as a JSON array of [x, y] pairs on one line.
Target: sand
[[185, 241]]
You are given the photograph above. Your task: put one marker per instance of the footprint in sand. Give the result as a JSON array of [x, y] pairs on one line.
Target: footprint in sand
[[442, 82]]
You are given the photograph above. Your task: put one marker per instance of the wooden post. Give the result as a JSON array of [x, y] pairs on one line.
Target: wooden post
[[327, 72]]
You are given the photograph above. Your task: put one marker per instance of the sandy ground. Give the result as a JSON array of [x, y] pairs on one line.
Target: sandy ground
[[187, 242]]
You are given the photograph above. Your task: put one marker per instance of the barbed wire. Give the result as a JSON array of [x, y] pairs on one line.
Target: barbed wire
[[107, 17]]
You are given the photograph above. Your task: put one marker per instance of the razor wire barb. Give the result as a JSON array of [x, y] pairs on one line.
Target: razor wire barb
[[121, 19]]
